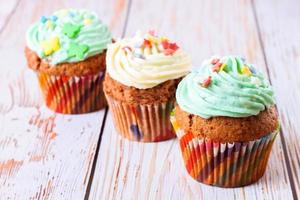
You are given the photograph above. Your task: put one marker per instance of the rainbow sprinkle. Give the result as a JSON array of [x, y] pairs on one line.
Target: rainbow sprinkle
[[206, 82], [217, 67], [43, 19], [215, 61], [53, 18], [49, 24], [170, 48], [87, 21], [50, 46], [246, 71]]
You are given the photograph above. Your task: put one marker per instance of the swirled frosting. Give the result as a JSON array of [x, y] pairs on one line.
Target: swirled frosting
[[145, 61], [225, 86], [68, 36]]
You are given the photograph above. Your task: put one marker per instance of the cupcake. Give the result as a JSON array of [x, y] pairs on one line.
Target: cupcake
[[140, 84], [226, 122], [67, 51]]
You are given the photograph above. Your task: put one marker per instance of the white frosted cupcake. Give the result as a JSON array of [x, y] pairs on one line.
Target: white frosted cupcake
[[140, 84]]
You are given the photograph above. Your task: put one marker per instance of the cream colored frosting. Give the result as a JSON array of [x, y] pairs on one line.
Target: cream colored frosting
[[145, 61]]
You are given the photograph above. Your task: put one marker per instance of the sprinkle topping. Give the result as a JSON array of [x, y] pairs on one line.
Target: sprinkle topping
[[77, 50], [147, 43], [43, 19], [215, 61], [152, 32], [50, 46], [206, 82], [246, 70], [53, 18], [170, 48], [87, 21], [71, 30], [217, 67]]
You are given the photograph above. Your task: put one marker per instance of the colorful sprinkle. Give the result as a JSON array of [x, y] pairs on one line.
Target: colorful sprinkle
[[170, 48], [53, 18], [43, 19], [87, 21], [217, 66], [252, 69], [71, 30], [127, 49], [147, 43], [206, 82], [152, 32], [50, 46], [223, 67], [77, 50], [164, 39], [246, 70], [49, 24], [153, 40], [215, 61]]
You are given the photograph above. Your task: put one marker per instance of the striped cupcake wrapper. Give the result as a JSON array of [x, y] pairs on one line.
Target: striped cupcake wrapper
[[142, 123], [73, 95], [224, 164]]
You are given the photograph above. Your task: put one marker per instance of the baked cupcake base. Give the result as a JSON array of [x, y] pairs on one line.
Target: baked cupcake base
[[72, 94], [142, 123], [233, 164]]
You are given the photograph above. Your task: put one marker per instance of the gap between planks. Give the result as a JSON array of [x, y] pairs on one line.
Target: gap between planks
[[282, 140], [89, 186], [6, 21]]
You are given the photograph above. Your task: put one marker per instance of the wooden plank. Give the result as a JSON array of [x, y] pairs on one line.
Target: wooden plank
[[280, 39], [139, 171], [44, 155], [6, 11]]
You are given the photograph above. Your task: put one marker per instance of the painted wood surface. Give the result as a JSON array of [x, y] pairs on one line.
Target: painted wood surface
[[129, 170], [44, 155], [7, 9], [281, 41]]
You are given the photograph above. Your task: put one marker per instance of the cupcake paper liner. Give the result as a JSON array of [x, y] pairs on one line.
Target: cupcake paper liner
[[73, 95], [224, 164], [143, 123]]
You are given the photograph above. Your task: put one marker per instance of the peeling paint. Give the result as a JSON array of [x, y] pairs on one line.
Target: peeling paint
[[9, 167]]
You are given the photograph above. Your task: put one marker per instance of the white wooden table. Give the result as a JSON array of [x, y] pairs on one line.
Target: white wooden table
[[44, 155]]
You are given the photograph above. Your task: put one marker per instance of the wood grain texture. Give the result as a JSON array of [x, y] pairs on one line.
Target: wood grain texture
[[7, 9], [131, 170], [280, 38], [44, 155]]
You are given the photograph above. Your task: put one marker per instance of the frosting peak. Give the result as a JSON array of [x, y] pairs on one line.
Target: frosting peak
[[145, 61], [225, 86], [68, 36]]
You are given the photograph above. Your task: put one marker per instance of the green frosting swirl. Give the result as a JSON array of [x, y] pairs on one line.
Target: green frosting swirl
[[236, 90], [86, 36]]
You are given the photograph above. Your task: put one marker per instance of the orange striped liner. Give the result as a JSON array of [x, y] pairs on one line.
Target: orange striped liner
[[224, 164], [142, 123], [73, 95]]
